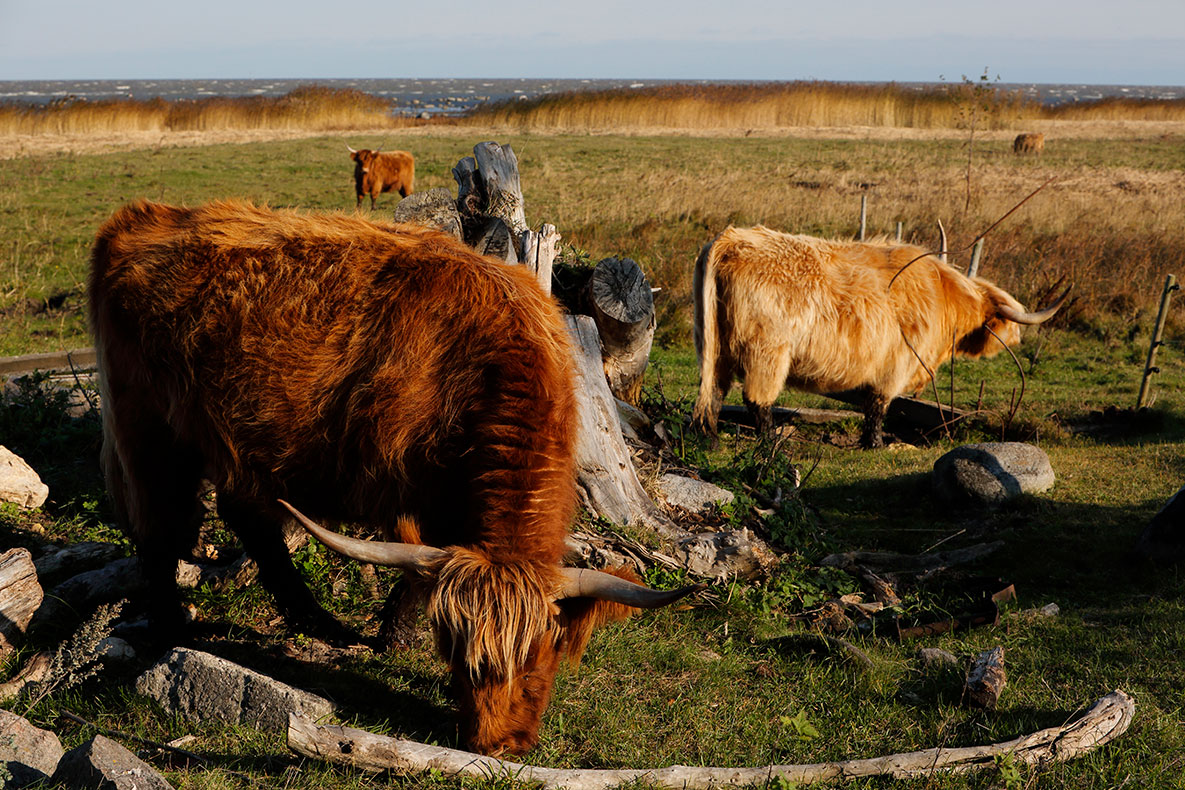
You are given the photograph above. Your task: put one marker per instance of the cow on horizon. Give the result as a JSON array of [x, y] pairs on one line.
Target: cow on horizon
[[376, 172]]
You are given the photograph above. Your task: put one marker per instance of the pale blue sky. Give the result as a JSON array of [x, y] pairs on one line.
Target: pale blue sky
[[1087, 41]]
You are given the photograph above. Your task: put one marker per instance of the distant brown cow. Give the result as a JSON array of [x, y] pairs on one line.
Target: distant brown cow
[[376, 172], [1029, 143], [378, 374], [823, 316]]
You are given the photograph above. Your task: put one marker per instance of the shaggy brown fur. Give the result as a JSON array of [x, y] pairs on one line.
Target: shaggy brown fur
[[782, 310], [368, 373], [375, 173]]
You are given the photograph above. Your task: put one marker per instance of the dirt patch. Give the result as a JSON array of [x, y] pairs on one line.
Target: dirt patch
[[15, 146]]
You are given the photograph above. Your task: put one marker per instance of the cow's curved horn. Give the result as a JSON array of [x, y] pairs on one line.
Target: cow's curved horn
[[1039, 317], [351, 150], [584, 583], [407, 556]]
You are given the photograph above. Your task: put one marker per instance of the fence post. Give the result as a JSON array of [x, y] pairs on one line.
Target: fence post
[[900, 230], [863, 215], [973, 267], [1170, 285]]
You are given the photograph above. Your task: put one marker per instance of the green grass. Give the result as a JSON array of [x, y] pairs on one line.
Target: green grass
[[735, 681]]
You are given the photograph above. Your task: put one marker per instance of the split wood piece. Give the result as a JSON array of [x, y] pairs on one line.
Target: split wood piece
[[985, 679], [537, 251], [887, 562], [497, 167], [20, 596], [36, 669], [623, 307], [471, 197], [1106, 720], [609, 485]]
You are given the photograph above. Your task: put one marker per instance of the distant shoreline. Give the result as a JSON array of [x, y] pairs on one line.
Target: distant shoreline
[[16, 146], [452, 96]]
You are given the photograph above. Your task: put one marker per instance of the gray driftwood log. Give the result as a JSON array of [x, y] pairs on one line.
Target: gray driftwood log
[[623, 306], [1106, 720]]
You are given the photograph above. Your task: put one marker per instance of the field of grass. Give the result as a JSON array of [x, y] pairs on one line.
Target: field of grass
[[731, 680]]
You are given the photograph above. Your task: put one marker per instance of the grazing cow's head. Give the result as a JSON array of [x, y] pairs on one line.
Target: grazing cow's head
[[364, 157], [1001, 321], [504, 627]]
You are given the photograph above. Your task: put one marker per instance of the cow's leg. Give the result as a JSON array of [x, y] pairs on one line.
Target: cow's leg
[[261, 531], [876, 406], [154, 482], [765, 376], [763, 417]]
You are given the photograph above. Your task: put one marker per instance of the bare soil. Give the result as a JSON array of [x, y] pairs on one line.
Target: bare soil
[[15, 146]]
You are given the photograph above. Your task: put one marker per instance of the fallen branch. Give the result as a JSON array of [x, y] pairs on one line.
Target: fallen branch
[[1106, 720]]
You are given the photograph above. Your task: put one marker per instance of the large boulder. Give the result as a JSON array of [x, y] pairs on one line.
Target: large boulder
[[103, 764], [200, 686], [29, 753], [18, 482], [991, 473]]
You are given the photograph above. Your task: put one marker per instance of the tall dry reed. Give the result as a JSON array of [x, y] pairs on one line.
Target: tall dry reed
[[309, 107], [774, 105]]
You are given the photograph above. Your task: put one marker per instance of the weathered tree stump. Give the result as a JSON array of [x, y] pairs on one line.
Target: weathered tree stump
[[609, 485], [623, 307], [497, 167]]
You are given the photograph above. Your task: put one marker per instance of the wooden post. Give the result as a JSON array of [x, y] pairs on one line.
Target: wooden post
[[863, 215], [20, 597], [973, 267], [1170, 285], [498, 168], [900, 230], [623, 307], [537, 252]]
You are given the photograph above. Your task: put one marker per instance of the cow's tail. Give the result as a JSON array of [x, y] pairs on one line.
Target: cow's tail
[[707, 340]]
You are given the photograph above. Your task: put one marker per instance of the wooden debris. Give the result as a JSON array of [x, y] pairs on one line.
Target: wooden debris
[[36, 669], [985, 679], [742, 415], [1106, 720], [20, 596], [888, 562]]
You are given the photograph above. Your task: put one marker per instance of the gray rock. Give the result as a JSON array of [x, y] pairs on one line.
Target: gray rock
[[18, 482], [29, 753], [722, 555], [103, 764], [991, 473], [937, 657], [435, 208], [80, 594], [696, 496], [200, 686]]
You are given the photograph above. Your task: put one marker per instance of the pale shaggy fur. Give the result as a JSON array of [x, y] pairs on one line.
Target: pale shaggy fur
[[827, 316]]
